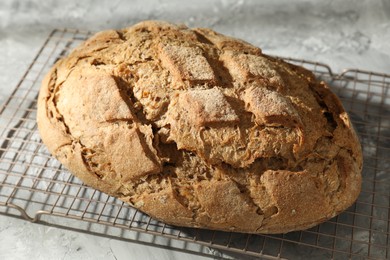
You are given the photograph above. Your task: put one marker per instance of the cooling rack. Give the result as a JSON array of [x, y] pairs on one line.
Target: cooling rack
[[34, 186]]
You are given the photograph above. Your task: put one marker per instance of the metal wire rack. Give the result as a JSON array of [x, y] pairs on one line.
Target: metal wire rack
[[34, 186]]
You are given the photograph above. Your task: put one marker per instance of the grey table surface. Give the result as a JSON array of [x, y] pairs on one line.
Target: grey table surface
[[342, 34]]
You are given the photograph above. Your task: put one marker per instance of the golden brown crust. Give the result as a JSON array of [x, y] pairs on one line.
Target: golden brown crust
[[199, 129]]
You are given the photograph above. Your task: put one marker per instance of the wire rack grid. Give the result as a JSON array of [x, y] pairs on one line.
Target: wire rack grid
[[34, 186]]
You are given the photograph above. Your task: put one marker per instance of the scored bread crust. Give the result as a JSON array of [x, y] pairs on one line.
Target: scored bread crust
[[199, 129]]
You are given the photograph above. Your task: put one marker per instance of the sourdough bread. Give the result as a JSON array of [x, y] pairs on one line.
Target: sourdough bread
[[199, 129]]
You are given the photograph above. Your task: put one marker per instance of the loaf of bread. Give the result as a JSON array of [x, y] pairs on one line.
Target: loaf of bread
[[199, 129]]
